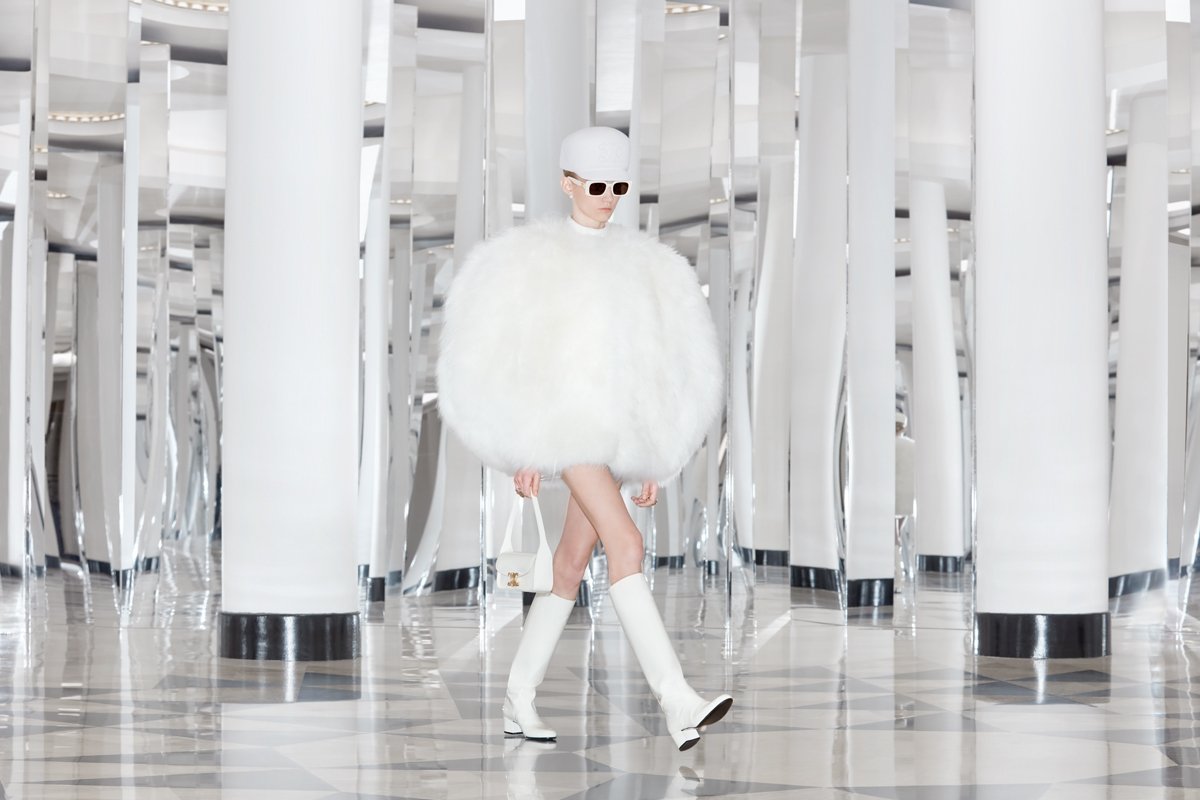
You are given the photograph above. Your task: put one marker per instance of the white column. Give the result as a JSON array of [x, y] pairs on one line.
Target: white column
[[1137, 540], [871, 298], [1042, 380], [819, 321], [936, 410], [291, 329], [557, 92]]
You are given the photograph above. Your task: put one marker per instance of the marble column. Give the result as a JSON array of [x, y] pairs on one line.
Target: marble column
[[1042, 447], [291, 384], [871, 303]]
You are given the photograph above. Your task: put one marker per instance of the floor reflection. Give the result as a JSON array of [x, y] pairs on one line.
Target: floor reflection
[[119, 694]]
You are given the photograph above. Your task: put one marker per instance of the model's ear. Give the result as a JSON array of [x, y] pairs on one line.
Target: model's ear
[[565, 183]]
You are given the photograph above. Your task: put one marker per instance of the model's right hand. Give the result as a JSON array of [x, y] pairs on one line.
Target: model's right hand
[[527, 481]]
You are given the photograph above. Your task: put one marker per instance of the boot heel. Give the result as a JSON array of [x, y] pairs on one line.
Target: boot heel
[[511, 728], [685, 739]]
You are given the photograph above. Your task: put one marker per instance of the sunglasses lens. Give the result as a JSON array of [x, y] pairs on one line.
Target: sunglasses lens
[[620, 188], [596, 189]]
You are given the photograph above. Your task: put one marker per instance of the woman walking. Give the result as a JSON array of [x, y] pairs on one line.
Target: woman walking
[[578, 350]]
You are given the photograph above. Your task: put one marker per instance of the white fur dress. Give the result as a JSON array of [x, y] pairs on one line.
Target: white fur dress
[[565, 346]]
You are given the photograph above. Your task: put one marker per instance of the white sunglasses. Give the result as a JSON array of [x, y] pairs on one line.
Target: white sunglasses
[[597, 188]]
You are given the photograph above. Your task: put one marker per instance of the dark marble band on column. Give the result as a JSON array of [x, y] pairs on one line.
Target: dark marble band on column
[[940, 563], [823, 578], [1132, 582], [764, 558], [376, 590], [870, 592], [1042, 635], [289, 637], [711, 566], [670, 562], [1174, 567], [448, 580]]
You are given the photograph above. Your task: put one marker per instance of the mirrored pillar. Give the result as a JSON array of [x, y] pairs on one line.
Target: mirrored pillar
[[936, 417], [1137, 543], [1042, 386], [819, 322], [291, 330]]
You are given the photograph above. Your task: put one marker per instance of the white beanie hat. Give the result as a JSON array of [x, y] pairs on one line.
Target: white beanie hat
[[596, 154]]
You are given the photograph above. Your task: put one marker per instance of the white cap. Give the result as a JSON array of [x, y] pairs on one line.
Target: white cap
[[596, 154], [901, 419]]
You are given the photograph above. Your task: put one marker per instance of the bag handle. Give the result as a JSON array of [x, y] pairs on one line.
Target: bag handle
[[516, 514]]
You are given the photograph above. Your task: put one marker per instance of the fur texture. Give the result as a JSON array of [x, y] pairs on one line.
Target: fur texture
[[562, 348]]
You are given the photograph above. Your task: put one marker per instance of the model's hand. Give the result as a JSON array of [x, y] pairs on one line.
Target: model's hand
[[649, 495], [527, 481]]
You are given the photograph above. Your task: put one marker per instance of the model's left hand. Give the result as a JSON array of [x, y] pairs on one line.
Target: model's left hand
[[649, 495]]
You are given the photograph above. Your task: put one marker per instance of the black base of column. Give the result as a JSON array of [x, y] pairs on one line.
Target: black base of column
[[447, 580], [1173, 567], [289, 637], [670, 562], [870, 592], [1134, 582], [1042, 635], [764, 558], [376, 589], [822, 578], [395, 577], [940, 563], [711, 566], [364, 570], [772, 558]]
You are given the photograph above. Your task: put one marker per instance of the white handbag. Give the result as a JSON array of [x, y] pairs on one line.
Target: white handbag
[[528, 572]]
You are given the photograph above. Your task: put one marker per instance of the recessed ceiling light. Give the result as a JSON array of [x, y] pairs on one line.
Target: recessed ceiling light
[[83, 116], [57, 195], [219, 7], [1180, 171], [1111, 131], [402, 202]]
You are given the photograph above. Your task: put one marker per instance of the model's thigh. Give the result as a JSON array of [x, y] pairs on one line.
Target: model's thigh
[[599, 497]]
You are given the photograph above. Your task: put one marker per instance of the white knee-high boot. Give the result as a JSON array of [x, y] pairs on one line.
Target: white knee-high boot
[[543, 626], [685, 710]]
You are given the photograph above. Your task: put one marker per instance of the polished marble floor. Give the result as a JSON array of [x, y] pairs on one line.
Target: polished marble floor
[[121, 696]]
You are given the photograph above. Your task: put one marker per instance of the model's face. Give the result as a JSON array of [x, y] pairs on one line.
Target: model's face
[[593, 211]]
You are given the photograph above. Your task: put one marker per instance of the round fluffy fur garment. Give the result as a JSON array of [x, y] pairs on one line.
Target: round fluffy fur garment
[[561, 347]]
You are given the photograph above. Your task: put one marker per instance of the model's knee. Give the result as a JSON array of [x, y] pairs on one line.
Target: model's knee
[[626, 556], [568, 574]]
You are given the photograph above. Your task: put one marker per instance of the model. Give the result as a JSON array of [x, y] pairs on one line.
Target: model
[[577, 350]]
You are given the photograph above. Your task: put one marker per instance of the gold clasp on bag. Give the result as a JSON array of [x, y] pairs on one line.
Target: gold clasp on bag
[[512, 579]]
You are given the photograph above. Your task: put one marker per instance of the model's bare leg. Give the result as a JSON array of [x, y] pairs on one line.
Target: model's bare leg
[[599, 496], [574, 551], [544, 625]]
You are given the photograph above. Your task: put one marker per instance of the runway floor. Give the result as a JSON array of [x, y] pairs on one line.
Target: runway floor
[[103, 701]]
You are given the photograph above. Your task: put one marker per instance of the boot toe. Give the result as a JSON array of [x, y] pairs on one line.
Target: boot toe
[[715, 711]]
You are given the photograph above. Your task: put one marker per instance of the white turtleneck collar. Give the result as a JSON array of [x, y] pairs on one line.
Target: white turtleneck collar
[[575, 226]]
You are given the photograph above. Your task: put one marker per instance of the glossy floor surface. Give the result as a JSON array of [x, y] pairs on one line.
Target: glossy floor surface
[[103, 701]]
